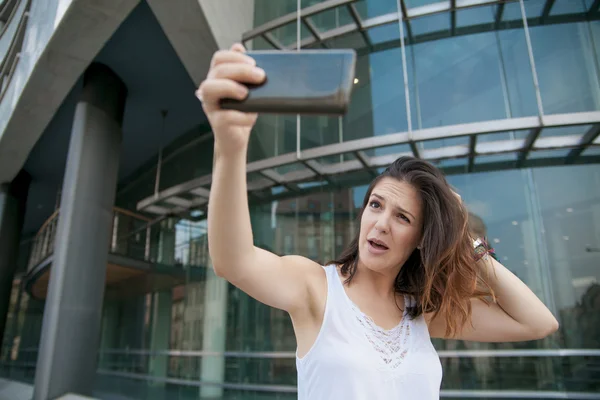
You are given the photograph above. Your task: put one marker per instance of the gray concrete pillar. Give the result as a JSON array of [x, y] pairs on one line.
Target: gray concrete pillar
[[214, 335], [13, 197], [72, 315]]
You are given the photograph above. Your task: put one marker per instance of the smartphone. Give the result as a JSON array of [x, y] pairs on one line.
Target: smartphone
[[300, 82]]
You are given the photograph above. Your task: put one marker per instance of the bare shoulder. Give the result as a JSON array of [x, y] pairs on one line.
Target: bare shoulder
[[306, 269]]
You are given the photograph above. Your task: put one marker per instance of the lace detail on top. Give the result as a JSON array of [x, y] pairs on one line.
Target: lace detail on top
[[390, 344]]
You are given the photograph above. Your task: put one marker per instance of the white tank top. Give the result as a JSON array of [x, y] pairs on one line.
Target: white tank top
[[353, 358]]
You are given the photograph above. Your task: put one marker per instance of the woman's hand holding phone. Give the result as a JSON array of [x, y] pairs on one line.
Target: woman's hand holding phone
[[229, 71]]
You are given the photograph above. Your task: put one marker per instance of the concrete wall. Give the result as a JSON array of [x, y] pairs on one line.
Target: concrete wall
[[198, 28], [228, 19], [62, 37], [185, 24]]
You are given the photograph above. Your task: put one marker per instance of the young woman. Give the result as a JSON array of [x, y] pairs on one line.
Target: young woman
[[363, 323]]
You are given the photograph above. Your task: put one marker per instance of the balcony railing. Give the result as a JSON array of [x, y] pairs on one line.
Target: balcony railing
[[130, 236], [13, 21]]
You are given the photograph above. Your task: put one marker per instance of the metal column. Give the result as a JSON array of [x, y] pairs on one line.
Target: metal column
[[72, 315]]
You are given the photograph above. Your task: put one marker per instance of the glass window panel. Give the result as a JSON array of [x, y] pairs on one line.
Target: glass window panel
[[565, 130], [592, 151], [571, 220], [472, 78], [278, 190], [418, 3], [259, 43], [377, 106], [452, 162], [396, 149], [305, 33], [362, 7], [429, 24], [189, 163], [310, 185], [268, 10], [561, 7], [548, 153], [352, 40], [332, 18], [370, 8], [588, 4], [533, 8], [512, 12], [493, 137], [352, 178], [272, 135], [566, 68], [284, 169], [594, 27], [384, 33], [496, 158], [337, 158], [437, 143], [286, 35], [475, 16], [265, 12]]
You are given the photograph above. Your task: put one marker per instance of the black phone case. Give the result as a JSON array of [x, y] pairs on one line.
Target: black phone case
[[300, 82]]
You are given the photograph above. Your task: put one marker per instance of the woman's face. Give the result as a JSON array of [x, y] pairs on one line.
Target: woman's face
[[391, 226]]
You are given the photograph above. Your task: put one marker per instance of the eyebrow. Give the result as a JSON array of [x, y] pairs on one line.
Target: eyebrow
[[397, 207]]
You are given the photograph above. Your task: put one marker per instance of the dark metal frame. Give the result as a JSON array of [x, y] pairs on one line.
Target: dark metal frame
[[194, 193]]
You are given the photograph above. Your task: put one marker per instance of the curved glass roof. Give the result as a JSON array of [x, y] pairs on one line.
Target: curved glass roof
[[413, 33], [528, 146], [540, 140]]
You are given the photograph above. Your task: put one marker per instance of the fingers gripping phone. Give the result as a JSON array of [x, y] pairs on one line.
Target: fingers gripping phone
[[300, 82]]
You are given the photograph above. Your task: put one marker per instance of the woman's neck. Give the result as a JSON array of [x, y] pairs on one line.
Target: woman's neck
[[380, 284]]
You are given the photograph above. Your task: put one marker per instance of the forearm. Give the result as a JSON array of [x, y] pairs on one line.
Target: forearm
[[230, 239], [517, 300]]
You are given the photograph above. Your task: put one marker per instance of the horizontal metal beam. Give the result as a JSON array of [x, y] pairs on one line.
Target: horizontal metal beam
[[316, 171], [410, 13], [490, 353], [432, 9], [291, 17], [588, 138]]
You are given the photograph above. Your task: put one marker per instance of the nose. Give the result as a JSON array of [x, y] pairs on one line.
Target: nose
[[383, 223]]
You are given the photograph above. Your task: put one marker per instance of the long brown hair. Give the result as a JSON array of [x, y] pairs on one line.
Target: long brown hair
[[443, 275]]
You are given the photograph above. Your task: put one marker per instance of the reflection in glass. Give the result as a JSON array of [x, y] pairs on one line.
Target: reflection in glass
[[418, 3], [475, 16], [566, 69], [470, 78], [430, 23], [496, 158]]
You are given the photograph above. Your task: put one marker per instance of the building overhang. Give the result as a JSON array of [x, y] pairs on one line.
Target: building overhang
[[356, 166]]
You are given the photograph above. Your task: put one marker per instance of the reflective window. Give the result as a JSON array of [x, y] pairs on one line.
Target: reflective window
[[471, 78], [566, 64]]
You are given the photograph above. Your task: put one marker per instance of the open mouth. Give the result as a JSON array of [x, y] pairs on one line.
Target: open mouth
[[377, 244]]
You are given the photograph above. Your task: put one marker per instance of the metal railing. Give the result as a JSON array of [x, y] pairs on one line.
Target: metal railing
[[12, 36], [133, 364], [130, 236]]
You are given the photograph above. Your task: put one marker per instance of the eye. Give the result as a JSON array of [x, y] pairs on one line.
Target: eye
[[404, 217], [374, 204]]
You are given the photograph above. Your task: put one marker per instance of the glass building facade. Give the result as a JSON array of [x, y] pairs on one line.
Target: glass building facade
[[504, 96]]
